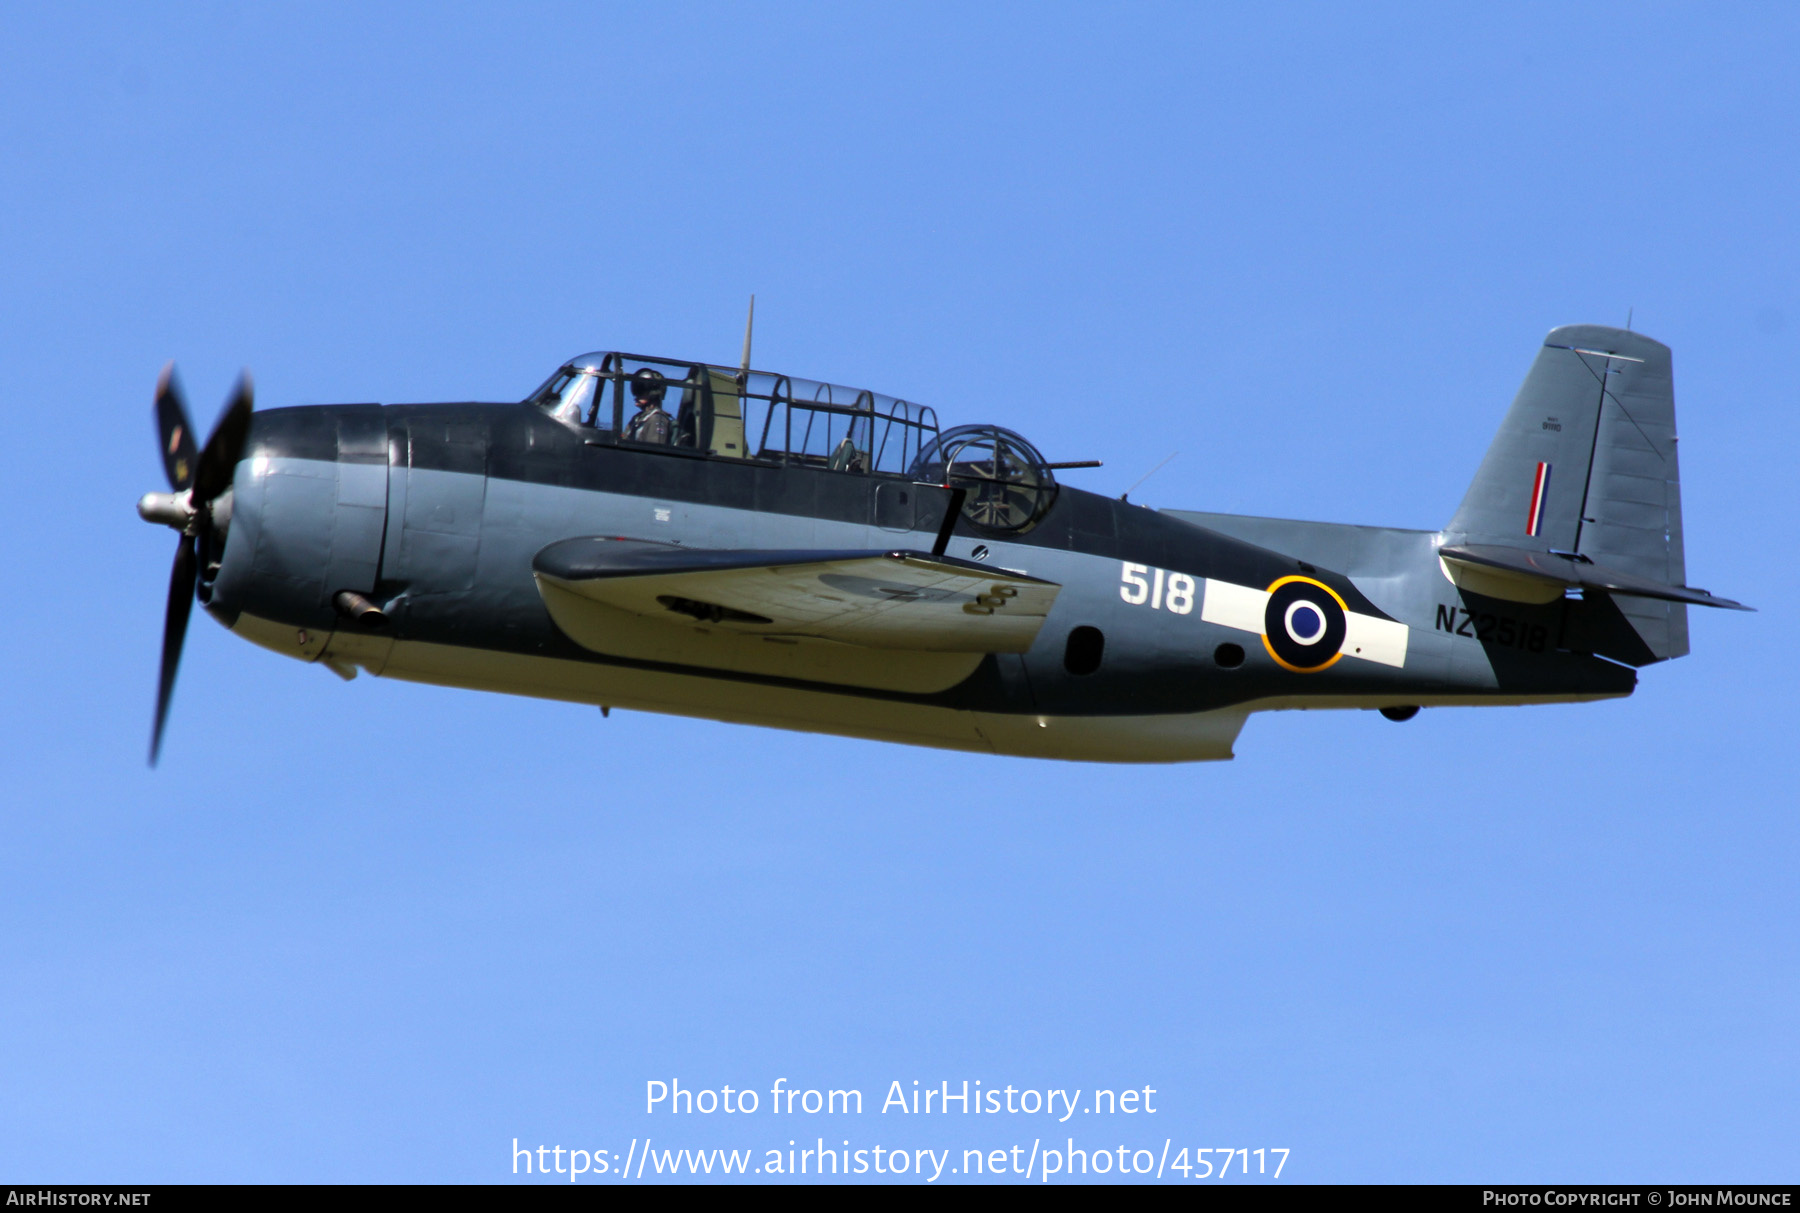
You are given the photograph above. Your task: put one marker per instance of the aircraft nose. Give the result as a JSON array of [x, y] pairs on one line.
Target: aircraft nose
[[310, 514]]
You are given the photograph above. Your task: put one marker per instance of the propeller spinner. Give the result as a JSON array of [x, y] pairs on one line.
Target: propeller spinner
[[197, 480]]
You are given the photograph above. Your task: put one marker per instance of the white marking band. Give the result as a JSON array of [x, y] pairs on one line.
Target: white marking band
[[1372, 639], [1234, 606]]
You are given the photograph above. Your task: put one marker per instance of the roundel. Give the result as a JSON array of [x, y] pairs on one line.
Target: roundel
[[1303, 625]]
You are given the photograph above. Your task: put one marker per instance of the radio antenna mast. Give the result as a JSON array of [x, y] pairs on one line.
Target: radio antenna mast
[[749, 322]]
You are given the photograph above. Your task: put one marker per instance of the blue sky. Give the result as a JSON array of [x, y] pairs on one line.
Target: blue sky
[[377, 931]]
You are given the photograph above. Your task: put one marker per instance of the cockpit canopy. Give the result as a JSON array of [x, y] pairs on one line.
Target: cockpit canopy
[[723, 412], [727, 413]]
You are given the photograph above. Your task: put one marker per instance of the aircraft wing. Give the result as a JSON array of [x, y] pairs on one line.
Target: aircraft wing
[[875, 599]]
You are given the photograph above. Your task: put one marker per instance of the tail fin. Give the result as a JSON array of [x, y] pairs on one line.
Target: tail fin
[[1585, 464]]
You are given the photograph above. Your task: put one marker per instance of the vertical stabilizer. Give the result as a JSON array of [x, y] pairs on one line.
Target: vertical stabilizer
[[1585, 463]]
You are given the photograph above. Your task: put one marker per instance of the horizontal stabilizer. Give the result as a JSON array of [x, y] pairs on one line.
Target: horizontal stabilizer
[[875, 599], [1554, 569]]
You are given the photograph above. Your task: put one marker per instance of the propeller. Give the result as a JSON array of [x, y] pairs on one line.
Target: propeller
[[196, 481]]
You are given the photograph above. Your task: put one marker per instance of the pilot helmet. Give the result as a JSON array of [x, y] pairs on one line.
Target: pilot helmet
[[648, 385]]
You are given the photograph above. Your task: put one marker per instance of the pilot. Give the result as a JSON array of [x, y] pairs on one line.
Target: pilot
[[650, 424]]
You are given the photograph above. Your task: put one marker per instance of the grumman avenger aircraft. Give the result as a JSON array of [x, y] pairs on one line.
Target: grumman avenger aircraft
[[716, 541]]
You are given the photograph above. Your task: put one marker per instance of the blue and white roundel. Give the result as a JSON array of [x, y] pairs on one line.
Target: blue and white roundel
[[1304, 624]]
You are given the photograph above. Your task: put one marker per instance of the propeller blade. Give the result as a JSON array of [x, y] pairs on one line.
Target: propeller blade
[[225, 446], [174, 432], [181, 604]]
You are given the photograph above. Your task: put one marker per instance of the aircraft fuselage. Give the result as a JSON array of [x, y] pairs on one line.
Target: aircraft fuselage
[[436, 512]]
